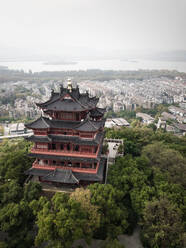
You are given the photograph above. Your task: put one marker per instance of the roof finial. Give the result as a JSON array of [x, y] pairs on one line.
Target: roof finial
[[69, 86]]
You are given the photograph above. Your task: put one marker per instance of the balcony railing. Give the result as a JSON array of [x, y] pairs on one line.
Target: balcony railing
[[64, 153], [58, 166]]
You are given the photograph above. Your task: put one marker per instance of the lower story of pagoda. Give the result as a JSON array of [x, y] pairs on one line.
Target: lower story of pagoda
[[59, 178]]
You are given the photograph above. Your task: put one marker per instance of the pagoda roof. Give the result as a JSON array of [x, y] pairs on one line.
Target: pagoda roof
[[87, 125], [67, 176], [40, 123], [90, 126], [64, 158], [65, 138], [67, 100], [44, 123], [62, 176], [57, 175], [97, 112]]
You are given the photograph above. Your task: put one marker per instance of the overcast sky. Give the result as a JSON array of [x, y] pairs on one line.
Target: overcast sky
[[57, 26]]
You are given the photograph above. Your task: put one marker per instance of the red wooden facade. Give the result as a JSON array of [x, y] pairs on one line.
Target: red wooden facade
[[69, 140]]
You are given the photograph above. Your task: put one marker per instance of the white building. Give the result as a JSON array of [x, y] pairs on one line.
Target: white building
[[116, 122], [17, 128], [147, 119]]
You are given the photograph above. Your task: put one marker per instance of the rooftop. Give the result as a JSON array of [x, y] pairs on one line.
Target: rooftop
[[69, 99], [87, 125], [66, 138]]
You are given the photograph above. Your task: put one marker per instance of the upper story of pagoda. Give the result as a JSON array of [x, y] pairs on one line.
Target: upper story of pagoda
[[71, 105]]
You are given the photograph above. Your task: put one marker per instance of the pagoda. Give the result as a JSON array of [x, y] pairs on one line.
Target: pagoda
[[68, 143]]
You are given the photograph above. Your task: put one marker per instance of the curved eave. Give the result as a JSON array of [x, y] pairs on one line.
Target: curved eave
[[90, 126], [40, 123]]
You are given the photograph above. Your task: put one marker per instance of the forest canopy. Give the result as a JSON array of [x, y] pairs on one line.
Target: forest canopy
[[145, 188]]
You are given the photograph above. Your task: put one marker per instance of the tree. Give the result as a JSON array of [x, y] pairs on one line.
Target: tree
[[161, 225], [16, 219], [153, 126], [14, 161], [62, 221], [10, 192], [32, 191], [3, 245], [83, 196], [127, 177], [166, 159], [111, 244], [113, 213]]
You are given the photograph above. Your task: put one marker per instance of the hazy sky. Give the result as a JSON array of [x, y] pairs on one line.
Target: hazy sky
[[57, 26]]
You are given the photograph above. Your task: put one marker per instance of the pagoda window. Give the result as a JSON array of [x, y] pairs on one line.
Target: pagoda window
[[53, 146], [76, 148], [62, 146], [69, 164], [68, 147], [62, 163], [77, 165], [95, 165], [77, 116], [46, 161], [83, 165], [87, 166], [54, 161], [64, 133]]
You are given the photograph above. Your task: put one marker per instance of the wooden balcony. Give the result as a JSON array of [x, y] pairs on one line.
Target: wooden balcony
[[53, 167], [65, 153]]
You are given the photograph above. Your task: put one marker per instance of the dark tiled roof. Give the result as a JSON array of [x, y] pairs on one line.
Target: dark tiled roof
[[39, 138], [41, 123], [90, 126], [66, 105], [86, 125], [66, 138], [97, 112], [37, 172], [44, 123], [78, 102], [61, 176], [54, 97], [63, 158], [57, 175]]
